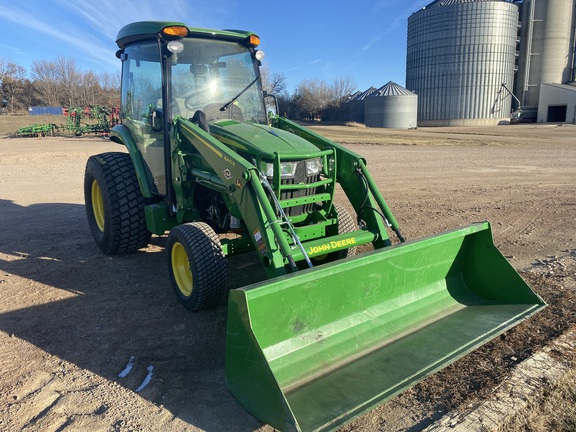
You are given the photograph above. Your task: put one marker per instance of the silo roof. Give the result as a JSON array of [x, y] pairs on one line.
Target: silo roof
[[364, 94], [392, 89], [439, 3]]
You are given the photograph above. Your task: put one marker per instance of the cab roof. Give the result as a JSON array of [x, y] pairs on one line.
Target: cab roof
[[146, 30]]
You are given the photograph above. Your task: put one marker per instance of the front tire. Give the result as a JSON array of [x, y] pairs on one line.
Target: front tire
[[197, 266], [345, 225], [114, 204]]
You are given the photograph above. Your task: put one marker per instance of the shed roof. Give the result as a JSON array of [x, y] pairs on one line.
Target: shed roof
[[567, 87]]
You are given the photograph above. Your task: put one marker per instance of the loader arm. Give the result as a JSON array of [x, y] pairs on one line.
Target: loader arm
[[237, 177], [356, 181]]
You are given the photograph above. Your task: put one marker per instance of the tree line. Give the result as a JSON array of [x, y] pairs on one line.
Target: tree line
[[313, 99], [61, 82]]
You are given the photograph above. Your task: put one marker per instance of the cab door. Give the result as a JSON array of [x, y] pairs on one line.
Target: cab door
[[142, 108]]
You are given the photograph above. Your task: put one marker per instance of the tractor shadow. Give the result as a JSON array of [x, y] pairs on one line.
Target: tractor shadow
[[60, 293]]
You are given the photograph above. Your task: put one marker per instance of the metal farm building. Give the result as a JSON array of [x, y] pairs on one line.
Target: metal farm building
[[391, 106], [459, 54]]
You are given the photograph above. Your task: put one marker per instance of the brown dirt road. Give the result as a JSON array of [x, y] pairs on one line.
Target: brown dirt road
[[71, 318]]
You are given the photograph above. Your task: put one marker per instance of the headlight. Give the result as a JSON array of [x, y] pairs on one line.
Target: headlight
[[287, 169], [313, 166]]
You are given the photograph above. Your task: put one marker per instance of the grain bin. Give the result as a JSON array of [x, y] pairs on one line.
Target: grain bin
[[546, 54], [459, 54], [391, 106], [356, 105]]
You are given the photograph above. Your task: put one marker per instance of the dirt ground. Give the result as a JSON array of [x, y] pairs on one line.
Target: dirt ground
[[72, 319]]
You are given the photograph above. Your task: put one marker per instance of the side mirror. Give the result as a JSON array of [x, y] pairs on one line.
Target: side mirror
[[270, 95]]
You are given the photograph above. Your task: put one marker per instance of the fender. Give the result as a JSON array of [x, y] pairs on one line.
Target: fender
[[120, 134]]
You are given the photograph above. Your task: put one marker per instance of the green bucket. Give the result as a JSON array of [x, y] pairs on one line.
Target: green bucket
[[313, 350]]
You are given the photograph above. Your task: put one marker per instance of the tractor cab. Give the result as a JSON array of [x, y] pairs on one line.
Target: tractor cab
[[207, 79]]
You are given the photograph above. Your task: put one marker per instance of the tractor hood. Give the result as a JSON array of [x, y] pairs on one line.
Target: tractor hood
[[261, 141]]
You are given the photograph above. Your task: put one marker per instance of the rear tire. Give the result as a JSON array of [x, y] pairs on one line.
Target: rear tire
[[197, 266], [114, 204]]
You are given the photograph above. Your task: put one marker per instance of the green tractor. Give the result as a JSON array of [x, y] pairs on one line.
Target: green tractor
[[328, 335]]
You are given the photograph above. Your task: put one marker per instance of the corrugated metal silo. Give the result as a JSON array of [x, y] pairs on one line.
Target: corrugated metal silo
[[546, 52], [459, 54], [391, 106], [356, 105]]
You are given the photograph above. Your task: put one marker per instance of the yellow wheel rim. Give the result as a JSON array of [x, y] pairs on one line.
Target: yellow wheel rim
[[181, 269], [97, 205]]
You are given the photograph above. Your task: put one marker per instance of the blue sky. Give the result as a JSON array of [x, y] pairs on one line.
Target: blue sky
[[365, 40]]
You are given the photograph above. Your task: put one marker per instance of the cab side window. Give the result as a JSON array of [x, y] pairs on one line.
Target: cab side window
[[141, 98]]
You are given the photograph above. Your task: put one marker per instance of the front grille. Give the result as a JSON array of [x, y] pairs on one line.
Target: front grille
[[300, 176]]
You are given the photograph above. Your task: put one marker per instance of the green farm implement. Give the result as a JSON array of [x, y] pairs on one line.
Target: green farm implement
[[75, 125], [100, 123], [37, 130], [331, 333]]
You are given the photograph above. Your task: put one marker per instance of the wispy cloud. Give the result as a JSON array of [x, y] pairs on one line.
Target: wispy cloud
[[107, 16], [11, 48], [291, 69], [61, 32], [100, 17], [397, 18], [91, 27], [374, 40], [394, 4]]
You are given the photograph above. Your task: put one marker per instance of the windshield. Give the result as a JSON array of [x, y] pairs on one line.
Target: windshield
[[207, 75]]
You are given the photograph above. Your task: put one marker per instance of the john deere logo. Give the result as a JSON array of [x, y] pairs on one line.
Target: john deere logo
[[327, 247]]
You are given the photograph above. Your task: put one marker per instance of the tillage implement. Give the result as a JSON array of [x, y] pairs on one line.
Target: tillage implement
[[331, 333]]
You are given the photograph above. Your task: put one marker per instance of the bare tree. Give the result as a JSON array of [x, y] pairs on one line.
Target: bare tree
[[46, 82], [62, 82], [110, 84], [12, 87], [110, 81], [58, 81], [70, 78], [7, 68], [272, 82], [342, 87], [287, 106], [12, 83], [312, 97], [87, 89]]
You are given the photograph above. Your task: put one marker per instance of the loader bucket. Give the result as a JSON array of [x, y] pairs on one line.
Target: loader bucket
[[313, 350]]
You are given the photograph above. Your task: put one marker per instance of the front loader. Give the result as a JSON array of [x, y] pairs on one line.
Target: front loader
[[331, 333]]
